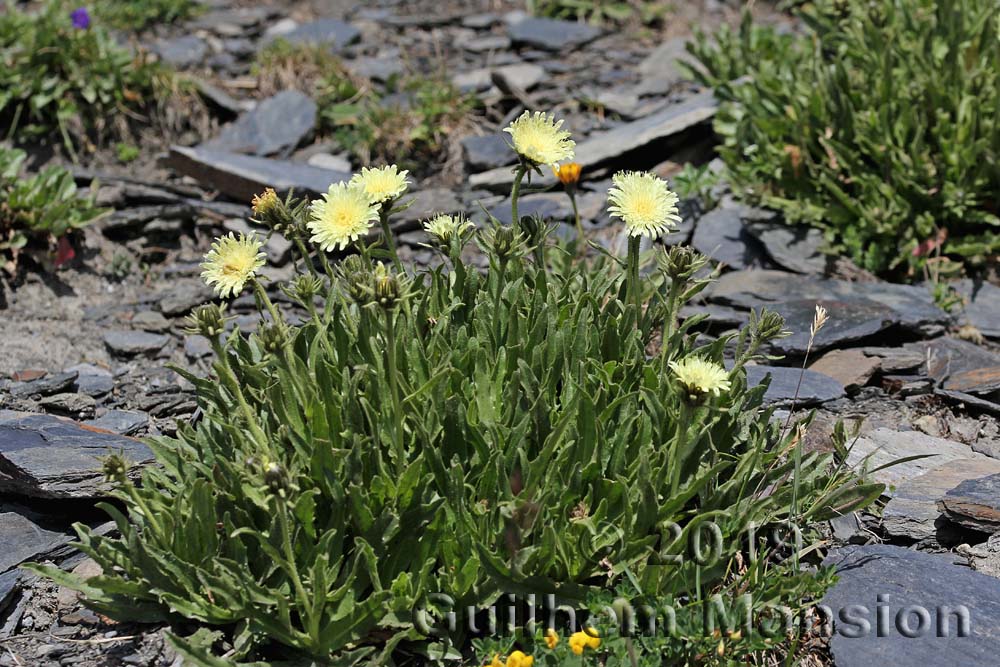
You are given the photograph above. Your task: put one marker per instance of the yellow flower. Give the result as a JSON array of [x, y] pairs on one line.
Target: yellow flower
[[538, 139], [444, 227], [519, 659], [700, 376], [340, 217], [551, 638], [496, 662], [643, 202], [381, 183], [588, 638], [232, 262], [569, 173]]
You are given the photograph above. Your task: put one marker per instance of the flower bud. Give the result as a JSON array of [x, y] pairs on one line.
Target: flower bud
[[505, 242], [356, 275], [276, 479], [270, 211], [115, 469], [680, 263], [766, 325], [274, 337], [207, 321], [387, 287]]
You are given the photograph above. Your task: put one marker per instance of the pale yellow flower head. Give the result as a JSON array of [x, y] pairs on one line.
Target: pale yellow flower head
[[643, 202], [538, 138], [700, 377], [231, 262], [443, 228], [381, 184], [340, 217]]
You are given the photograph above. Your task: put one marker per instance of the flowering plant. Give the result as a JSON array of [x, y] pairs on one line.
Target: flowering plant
[[417, 442]]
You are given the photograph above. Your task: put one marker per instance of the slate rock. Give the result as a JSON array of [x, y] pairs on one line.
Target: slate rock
[[982, 309], [23, 540], [382, 68], [617, 143], [659, 70], [975, 381], [425, 204], [94, 384], [44, 386], [473, 81], [975, 504], [150, 320], [913, 510], [519, 76], [883, 445], [8, 586], [184, 297], [902, 582], [274, 127], [328, 31], [849, 321], [851, 368], [816, 388], [551, 34], [48, 457], [550, 206], [197, 347], [720, 234], [79, 406], [181, 52], [243, 176], [487, 43], [487, 151], [947, 356], [793, 247], [121, 422], [914, 304], [131, 343]]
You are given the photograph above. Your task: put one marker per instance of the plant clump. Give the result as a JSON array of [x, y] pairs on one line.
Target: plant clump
[[877, 126], [63, 74], [37, 212], [417, 442]]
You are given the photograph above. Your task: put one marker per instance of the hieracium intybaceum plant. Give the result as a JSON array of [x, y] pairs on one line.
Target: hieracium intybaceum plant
[[877, 126], [413, 441]]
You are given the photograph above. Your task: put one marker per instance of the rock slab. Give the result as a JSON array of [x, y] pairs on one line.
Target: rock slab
[[275, 126], [22, 540], [815, 388], [47, 457], [926, 597], [884, 446], [975, 503]]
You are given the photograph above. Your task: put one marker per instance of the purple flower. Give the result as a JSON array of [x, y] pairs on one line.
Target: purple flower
[[80, 18]]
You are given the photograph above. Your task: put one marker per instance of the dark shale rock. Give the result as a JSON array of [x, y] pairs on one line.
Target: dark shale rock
[[131, 343], [883, 445], [23, 540], [816, 387], [549, 206], [848, 322], [721, 235], [975, 504], [851, 368], [184, 297], [78, 406], [181, 52], [983, 308], [487, 152], [44, 386], [276, 126], [551, 34], [243, 176], [793, 247], [913, 510], [329, 31], [122, 422], [925, 596], [48, 457]]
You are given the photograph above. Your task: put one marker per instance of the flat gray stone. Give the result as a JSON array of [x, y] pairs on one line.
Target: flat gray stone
[[94, 384], [816, 388], [882, 446], [276, 126], [618, 142], [975, 503], [43, 386], [721, 235], [8, 586], [487, 152], [329, 31], [549, 206], [794, 247], [659, 70], [243, 176], [849, 321], [983, 307], [132, 343], [551, 34], [121, 422], [913, 510], [23, 540], [914, 305], [71, 404], [183, 297], [48, 457], [185, 51], [520, 76], [900, 581]]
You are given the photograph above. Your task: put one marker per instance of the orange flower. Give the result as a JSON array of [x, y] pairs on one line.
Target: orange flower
[[551, 638], [569, 173]]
